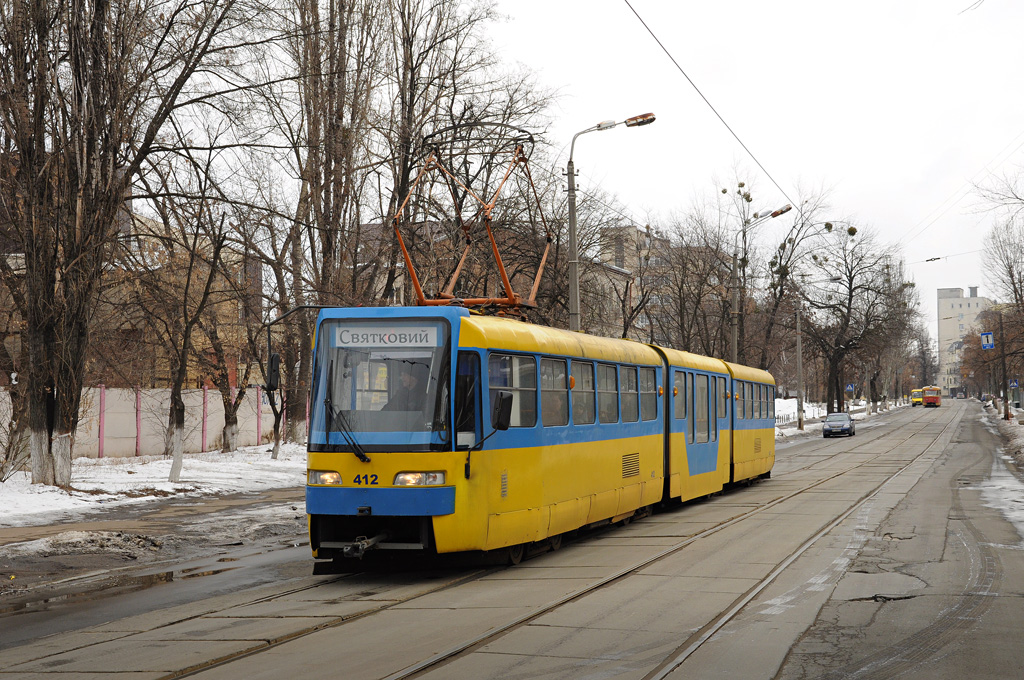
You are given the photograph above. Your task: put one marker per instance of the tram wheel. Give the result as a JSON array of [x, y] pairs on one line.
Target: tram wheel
[[555, 542], [515, 554]]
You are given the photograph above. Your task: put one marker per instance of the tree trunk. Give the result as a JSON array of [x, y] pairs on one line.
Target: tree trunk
[[173, 445], [229, 436]]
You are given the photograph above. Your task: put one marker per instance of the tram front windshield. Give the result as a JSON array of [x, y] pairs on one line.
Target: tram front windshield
[[380, 376]]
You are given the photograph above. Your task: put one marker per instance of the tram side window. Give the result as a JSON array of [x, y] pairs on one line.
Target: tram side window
[[723, 399], [713, 385], [648, 394], [771, 402], [764, 401], [679, 395], [467, 400], [737, 399], [689, 408], [554, 392], [607, 394], [757, 401], [750, 400], [700, 408], [583, 396], [518, 375], [630, 396]]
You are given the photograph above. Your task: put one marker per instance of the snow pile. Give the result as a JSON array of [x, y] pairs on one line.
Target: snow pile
[[105, 482], [785, 414]]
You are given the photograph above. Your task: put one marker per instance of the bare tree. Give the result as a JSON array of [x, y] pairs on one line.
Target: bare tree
[[855, 296], [1004, 260], [88, 89]]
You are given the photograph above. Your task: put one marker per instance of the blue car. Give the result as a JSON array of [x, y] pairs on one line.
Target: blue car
[[836, 424]]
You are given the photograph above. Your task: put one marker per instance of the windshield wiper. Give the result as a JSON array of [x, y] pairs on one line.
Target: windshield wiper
[[343, 426]]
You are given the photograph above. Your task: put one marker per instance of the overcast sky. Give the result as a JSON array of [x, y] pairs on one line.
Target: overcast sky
[[897, 106]]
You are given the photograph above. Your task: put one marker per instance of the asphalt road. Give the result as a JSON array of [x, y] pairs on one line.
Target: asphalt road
[[869, 557]]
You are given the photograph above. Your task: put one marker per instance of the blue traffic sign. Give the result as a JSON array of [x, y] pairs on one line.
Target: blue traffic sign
[[987, 341], [1013, 383], [850, 387]]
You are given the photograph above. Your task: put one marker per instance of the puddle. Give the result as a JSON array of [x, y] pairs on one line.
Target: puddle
[[120, 584]]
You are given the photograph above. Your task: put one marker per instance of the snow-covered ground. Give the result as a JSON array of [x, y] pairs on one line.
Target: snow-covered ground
[[98, 484], [106, 482], [1003, 490]]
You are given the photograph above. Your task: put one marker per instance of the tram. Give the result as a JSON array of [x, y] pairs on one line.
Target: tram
[[442, 430], [931, 396]]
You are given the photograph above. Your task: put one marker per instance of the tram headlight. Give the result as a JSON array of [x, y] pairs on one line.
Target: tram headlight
[[419, 479], [324, 477]]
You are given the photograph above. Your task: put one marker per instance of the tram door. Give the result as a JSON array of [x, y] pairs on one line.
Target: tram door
[[699, 394]]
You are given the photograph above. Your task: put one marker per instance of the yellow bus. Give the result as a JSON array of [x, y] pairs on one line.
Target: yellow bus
[[916, 397]]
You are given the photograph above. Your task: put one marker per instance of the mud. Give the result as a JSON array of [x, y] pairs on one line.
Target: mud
[[128, 548]]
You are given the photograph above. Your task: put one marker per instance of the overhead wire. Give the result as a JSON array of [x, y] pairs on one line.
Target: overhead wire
[[925, 224], [712, 107]]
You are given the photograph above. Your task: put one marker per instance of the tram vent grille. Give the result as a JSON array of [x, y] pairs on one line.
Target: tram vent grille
[[504, 483], [757, 445], [631, 464]]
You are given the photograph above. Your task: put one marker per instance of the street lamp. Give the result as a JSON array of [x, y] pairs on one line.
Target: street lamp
[[574, 255], [734, 311]]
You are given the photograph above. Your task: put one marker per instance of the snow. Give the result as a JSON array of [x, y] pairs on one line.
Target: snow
[[101, 483], [1003, 490]]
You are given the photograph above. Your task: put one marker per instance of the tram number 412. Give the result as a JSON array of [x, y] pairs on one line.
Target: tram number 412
[[365, 480]]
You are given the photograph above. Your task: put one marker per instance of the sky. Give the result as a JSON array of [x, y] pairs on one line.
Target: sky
[[896, 107]]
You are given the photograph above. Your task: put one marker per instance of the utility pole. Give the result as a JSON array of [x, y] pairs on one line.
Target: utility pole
[[799, 376], [734, 308], [1002, 361], [574, 252]]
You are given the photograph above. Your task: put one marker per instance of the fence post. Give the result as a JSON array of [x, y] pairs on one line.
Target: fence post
[[206, 394], [103, 407], [138, 420], [259, 415]]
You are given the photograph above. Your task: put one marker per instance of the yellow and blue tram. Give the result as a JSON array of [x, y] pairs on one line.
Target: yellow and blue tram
[[442, 430]]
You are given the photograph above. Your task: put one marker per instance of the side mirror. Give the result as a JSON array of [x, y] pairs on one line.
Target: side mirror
[[501, 410], [274, 372]]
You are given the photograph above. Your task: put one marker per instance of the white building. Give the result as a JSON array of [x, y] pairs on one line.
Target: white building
[[957, 316]]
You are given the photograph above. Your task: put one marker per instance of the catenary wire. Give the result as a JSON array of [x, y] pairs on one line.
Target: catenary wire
[[713, 109]]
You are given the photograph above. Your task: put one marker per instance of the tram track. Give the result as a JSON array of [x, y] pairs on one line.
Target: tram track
[[468, 645], [475, 642], [695, 641]]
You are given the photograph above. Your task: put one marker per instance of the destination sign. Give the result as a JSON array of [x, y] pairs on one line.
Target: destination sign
[[385, 336]]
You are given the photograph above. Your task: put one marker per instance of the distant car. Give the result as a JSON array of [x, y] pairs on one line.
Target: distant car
[[836, 424], [960, 395]]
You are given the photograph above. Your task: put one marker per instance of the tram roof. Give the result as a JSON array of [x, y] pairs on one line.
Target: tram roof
[[502, 333], [741, 372]]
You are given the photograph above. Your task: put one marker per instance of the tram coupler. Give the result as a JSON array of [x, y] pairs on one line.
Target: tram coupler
[[358, 548]]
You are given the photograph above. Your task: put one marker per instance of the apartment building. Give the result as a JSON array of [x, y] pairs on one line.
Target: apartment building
[[957, 316]]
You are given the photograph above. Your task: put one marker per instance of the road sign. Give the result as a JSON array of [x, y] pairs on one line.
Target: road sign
[[849, 387], [1013, 383], [987, 341]]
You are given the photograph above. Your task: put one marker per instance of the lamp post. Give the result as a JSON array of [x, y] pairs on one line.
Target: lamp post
[[574, 254], [734, 311]]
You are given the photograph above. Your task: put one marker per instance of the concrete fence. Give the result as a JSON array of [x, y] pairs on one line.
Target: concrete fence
[[133, 422]]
